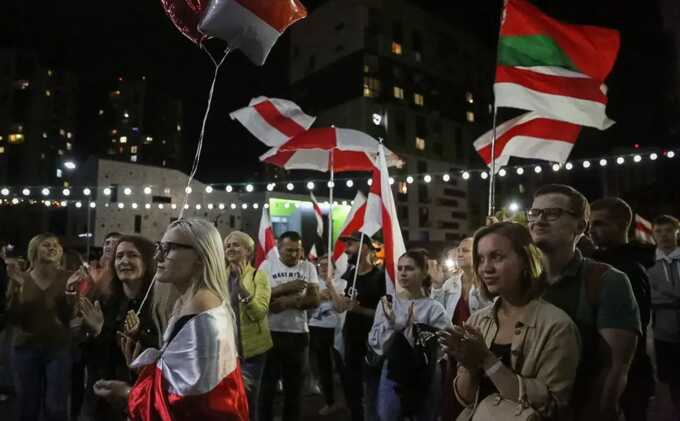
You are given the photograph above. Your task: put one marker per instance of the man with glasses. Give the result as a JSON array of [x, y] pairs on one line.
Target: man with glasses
[[597, 297], [295, 289]]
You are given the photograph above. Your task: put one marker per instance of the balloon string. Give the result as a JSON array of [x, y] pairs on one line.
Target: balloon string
[[199, 147]]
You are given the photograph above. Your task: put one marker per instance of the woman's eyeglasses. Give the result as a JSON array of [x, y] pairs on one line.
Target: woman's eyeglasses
[[161, 249]]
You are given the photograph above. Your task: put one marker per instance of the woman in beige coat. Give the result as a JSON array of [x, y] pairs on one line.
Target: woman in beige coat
[[522, 348]]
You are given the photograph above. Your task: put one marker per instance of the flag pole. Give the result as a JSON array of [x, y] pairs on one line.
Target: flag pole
[[492, 176], [356, 266], [329, 272]]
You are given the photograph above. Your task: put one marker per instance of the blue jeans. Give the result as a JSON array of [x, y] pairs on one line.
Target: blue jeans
[[252, 370], [389, 404], [42, 379]]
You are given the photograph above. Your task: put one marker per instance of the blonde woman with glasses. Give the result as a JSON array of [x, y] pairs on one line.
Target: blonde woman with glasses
[[196, 373]]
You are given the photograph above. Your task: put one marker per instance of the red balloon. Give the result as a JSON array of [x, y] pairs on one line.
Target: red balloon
[[186, 14]]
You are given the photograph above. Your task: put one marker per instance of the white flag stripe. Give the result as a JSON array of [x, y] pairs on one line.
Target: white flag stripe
[[558, 107], [554, 71], [228, 20], [259, 127], [537, 148]]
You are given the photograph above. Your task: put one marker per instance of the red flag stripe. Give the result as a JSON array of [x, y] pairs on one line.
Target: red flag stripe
[[543, 128], [280, 122], [581, 88], [319, 138], [278, 14]]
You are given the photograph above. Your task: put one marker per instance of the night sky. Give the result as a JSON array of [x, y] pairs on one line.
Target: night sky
[[131, 38]]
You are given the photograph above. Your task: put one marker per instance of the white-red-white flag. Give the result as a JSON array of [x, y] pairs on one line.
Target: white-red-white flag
[[381, 213], [643, 230], [312, 256], [354, 221], [265, 248], [529, 136], [273, 121], [252, 26], [317, 214]]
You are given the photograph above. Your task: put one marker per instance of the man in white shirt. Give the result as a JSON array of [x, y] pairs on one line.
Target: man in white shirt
[[295, 289], [664, 278]]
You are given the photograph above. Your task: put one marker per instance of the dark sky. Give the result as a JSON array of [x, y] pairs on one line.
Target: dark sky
[[99, 41]]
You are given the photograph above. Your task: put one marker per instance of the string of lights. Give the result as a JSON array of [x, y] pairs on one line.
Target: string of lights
[[57, 196]]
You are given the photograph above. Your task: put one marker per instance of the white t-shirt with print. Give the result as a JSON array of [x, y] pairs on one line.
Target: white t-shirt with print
[[325, 315], [291, 320]]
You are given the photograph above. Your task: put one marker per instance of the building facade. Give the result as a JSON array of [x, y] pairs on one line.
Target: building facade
[[400, 74]]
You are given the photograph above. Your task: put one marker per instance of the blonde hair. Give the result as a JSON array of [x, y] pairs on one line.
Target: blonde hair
[[246, 241], [34, 245]]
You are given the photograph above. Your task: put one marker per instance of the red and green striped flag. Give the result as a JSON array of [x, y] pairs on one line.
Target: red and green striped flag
[[554, 68]]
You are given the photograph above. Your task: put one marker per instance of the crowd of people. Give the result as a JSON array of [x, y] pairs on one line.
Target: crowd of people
[[547, 321]]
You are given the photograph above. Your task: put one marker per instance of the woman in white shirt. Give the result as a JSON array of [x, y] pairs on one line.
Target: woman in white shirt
[[322, 323], [403, 333]]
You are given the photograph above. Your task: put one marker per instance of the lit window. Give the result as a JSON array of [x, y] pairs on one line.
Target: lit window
[[179, 128], [114, 141], [42, 156], [49, 72], [123, 139], [48, 92], [149, 139], [22, 84], [44, 135], [420, 143], [133, 149], [133, 158], [69, 135], [114, 131], [59, 173], [403, 187], [371, 87], [470, 116], [62, 132], [115, 93], [398, 92], [396, 48], [469, 98], [101, 112], [418, 56], [69, 146], [419, 99], [367, 68], [16, 138], [2, 150], [60, 152]]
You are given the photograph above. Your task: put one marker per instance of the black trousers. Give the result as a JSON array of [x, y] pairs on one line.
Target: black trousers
[[285, 361], [322, 340]]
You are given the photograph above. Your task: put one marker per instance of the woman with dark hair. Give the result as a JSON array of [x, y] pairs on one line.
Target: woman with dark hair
[[521, 351], [403, 334], [108, 354], [41, 303], [195, 375]]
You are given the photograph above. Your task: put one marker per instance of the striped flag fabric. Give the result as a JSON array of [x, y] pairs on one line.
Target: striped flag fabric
[[381, 214], [265, 248], [531, 136], [643, 230], [316, 149], [196, 376], [554, 68], [354, 221], [273, 121], [317, 214], [252, 26]]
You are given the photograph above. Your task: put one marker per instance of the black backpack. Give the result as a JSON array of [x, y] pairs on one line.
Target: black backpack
[[412, 368]]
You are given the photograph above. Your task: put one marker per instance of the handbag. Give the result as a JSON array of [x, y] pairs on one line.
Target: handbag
[[496, 408]]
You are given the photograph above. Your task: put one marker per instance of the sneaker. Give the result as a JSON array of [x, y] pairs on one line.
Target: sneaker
[[327, 410]]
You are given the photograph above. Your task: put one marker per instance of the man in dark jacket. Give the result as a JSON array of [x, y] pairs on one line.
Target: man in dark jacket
[[610, 221]]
